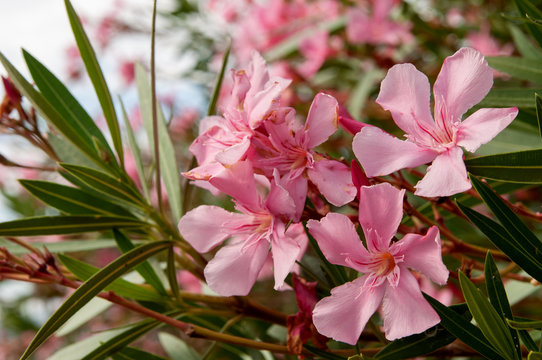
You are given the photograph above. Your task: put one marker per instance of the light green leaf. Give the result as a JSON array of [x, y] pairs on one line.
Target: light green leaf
[[77, 350], [62, 246], [172, 275], [518, 167], [534, 355], [363, 89], [524, 324], [66, 224], [93, 287], [524, 45], [521, 98], [519, 68], [168, 163], [92, 309], [96, 77], [176, 348]]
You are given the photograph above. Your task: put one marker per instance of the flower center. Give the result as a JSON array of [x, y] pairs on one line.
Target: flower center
[[384, 264]]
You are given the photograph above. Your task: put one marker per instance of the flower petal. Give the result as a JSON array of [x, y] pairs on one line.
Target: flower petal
[[207, 226], [337, 238], [482, 126], [423, 254], [238, 182], [404, 309], [234, 153], [279, 201], [343, 315], [235, 267], [463, 81], [405, 93], [322, 120], [286, 251], [446, 176], [381, 154], [380, 210], [333, 180]]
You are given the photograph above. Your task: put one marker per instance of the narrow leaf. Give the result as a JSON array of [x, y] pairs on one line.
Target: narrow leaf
[[519, 68], [464, 330], [172, 275], [521, 98], [168, 164], [144, 269], [519, 167], [63, 246], [211, 109], [120, 286], [524, 44], [529, 11], [91, 288], [96, 77], [71, 200], [73, 113], [520, 253], [538, 101], [534, 355], [497, 297], [66, 224], [527, 340], [135, 354], [176, 348], [323, 354], [525, 324]]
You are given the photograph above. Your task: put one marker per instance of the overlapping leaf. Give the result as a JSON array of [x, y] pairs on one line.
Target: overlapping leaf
[[520, 167]]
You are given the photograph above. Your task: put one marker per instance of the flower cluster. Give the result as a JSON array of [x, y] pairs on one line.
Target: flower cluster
[[258, 144]]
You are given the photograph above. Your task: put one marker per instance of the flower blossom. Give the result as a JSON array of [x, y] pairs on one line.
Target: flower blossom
[[464, 80], [385, 266], [258, 228]]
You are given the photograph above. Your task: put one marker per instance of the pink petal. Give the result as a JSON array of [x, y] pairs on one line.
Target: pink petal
[[405, 93], [482, 126], [297, 188], [258, 73], [258, 106], [235, 153], [404, 309], [380, 210], [337, 238], [207, 226], [343, 315], [238, 182], [322, 120], [334, 181], [381, 154], [285, 252], [463, 81], [423, 254], [204, 172], [209, 121], [348, 122], [279, 201], [446, 176], [235, 267]]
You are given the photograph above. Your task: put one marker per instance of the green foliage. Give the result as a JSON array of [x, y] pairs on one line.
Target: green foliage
[[520, 167]]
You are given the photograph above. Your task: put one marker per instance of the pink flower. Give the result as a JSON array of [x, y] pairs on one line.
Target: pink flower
[[464, 80], [487, 44], [387, 280], [315, 49], [256, 230], [289, 149]]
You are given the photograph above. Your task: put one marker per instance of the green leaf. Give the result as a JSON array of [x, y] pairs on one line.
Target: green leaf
[[527, 340], [96, 77], [420, 344], [519, 167], [94, 308], [322, 353], [490, 322], [136, 153], [144, 269], [71, 200], [120, 286], [77, 350], [362, 90], [464, 330], [524, 45], [105, 184], [522, 254], [519, 68], [72, 112], [93, 287], [168, 164], [176, 348], [172, 275], [63, 246], [534, 355], [497, 297], [521, 98], [525, 324], [66, 224], [69, 153], [529, 11], [211, 109], [538, 101], [135, 354]]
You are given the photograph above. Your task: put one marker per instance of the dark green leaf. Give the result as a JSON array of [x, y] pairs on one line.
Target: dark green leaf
[[490, 322], [525, 324], [120, 286], [521, 253], [96, 77], [72, 112], [529, 11], [323, 354], [168, 164], [521, 98], [519, 68], [91, 288], [211, 109], [497, 297], [144, 269], [464, 330], [66, 224], [135, 354], [105, 183], [527, 340], [538, 101], [520, 167], [71, 200], [172, 275]]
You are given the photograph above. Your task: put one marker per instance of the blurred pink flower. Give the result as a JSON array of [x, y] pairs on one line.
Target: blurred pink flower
[[464, 80], [387, 280]]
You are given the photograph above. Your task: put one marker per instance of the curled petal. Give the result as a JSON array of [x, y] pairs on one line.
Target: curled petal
[[343, 315], [446, 176], [381, 154], [234, 153], [483, 125], [405, 310], [463, 81]]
